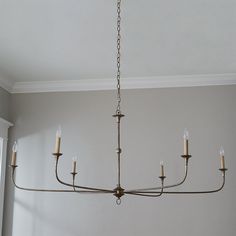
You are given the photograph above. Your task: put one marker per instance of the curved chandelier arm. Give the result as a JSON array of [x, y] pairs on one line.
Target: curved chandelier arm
[[77, 186], [167, 186], [43, 190], [201, 192], [184, 192], [148, 194]]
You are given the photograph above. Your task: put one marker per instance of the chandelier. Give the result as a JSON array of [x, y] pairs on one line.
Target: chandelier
[[119, 191]]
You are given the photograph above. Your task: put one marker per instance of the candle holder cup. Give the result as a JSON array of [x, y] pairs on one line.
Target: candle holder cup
[[186, 156], [223, 170], [57, 155]]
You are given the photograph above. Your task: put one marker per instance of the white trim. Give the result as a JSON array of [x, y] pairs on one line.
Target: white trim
[[4, 125], [6, 84], [127, 83], [7, 123]]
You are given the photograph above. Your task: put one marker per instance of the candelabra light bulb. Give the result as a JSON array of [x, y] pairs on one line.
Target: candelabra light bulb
[[186, 134], [222, 151], [74, 164], [14, 147], [162, 169], [58, 134]]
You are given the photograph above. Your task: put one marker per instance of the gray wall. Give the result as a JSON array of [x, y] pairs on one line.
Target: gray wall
[[4, 103], [151, 131]]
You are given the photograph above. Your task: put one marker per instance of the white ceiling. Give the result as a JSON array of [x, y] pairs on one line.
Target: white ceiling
[[51, 40]]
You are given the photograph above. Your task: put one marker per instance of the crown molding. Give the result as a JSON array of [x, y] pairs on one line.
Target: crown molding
[[127, 83], [6, 84]]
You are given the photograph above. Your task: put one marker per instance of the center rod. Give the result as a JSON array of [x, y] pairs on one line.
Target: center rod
[[118, 149], [118, 117]]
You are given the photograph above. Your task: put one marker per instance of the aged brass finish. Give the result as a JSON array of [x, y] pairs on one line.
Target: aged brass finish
[[119, 191]]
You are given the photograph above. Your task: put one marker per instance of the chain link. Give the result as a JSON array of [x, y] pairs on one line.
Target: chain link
[[118, 56]]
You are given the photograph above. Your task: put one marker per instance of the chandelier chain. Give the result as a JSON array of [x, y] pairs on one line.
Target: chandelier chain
[[118, 55]]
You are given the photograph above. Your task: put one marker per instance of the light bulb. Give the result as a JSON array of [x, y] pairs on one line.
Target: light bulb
[[222, 151], [14, 147], [186, 134], [74, 164], [59, 132], [162, 168]]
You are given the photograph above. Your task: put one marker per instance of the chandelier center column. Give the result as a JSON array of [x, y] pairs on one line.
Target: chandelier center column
[[119, 191]]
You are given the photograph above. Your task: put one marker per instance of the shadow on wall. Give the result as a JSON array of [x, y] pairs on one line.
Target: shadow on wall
[[35, 215]]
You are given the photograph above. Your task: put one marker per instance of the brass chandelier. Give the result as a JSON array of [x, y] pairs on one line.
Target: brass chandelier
[[118, 191]]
